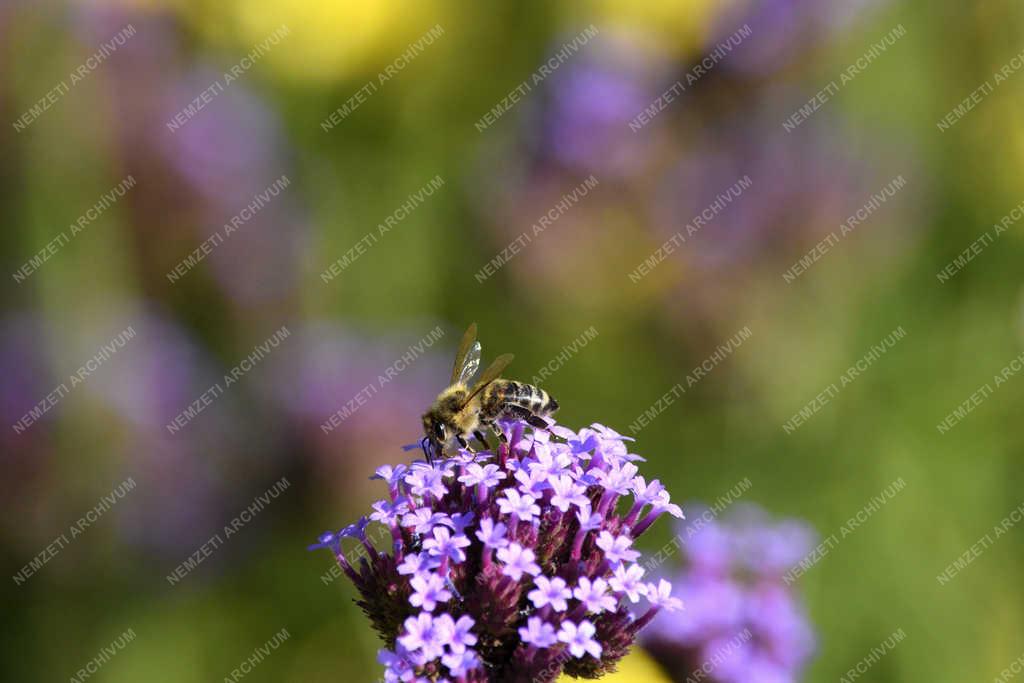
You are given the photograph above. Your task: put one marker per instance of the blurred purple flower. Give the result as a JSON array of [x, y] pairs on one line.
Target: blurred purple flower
[[591, 101], [781, 31], [156, 374], [28, 377], [719, 129], [214, 150], [189, 475], [28, 485], [742, 624], [232, 154], [769, 190], [196, 170]]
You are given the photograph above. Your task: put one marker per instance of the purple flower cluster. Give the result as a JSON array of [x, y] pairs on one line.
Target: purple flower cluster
[[742, 623], [510, 566]]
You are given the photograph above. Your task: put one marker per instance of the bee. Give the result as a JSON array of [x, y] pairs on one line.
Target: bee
[[461, 411]]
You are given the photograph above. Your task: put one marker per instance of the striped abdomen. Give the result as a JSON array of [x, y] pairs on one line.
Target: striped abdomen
[[534, 399]]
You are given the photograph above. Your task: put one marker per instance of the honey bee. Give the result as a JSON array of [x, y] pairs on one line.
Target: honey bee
[[461, 411]]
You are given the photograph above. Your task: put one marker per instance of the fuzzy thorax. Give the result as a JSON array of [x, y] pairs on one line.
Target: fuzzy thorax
[[451, 413]]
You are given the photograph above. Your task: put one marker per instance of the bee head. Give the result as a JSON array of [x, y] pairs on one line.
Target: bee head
[[436, 430]]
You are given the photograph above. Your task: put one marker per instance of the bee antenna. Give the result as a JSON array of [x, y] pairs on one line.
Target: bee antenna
[[426, 449]]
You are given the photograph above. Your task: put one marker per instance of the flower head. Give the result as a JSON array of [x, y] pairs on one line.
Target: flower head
[[512, 565]]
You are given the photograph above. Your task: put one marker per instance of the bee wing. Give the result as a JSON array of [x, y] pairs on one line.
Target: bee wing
[[492, 373], [465, 347], [471, 364]]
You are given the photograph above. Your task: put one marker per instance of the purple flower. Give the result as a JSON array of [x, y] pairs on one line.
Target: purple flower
[[739, 609], [488, 475], [616, 548], [552, 592], [588, 520], [781, 31], [579, 447], [392, 475], [424, 481], [428, 590], [399, 665], [628, 581], [566, 492], [522, 506], [461, 520], [587, 118], [529, 591], [461, 663], [421, 635], [608, 434], [580, 638], [329, 540], [423, 520], [594, 595], [532, 482], [492, 535], [443, 544], [457, 634], [415, 563], [618, 480], [550, 464], [661, 503], [518, 561], [661, 596], [388, 513], [538, 632], [646, 493]]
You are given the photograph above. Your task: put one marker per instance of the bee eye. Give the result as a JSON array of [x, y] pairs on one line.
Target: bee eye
[[439, 430]]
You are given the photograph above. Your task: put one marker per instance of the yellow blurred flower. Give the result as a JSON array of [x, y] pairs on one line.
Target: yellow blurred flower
[[636, 667], [328, 41], [676, 27]]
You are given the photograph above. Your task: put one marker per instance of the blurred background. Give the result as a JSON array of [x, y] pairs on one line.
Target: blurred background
[[243, 238]]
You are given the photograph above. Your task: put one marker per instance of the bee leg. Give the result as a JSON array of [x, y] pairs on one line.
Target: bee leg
[[497, 430], [451, 585], [481, 438], [537, 422], [525, 415], [465, 444]]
